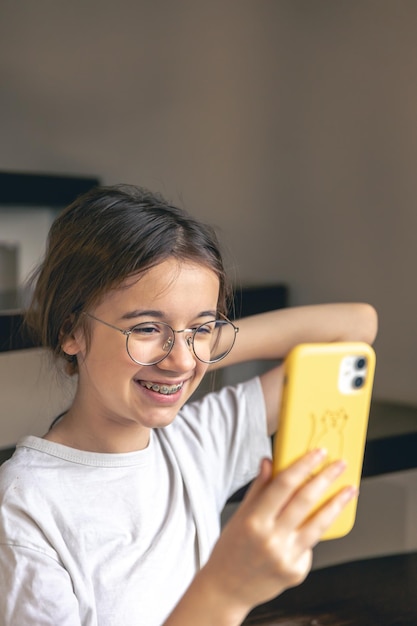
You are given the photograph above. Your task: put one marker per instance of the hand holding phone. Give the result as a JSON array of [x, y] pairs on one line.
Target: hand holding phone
[[325, 404]]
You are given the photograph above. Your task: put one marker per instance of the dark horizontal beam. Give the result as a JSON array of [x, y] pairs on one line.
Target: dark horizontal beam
[[258, 299], [395, 453], [248, 301], [382, 456], [46, 190], [13, 334]]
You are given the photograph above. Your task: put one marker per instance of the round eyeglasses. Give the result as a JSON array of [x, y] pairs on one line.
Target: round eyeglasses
[[149, 343]]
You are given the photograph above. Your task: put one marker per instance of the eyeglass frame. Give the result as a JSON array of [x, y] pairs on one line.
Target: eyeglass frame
[[189, 340]]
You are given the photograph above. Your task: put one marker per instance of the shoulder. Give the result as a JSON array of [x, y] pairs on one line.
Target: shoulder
[[29, 477], [18, 479], [218, 417], [14, 469], [227, 401]]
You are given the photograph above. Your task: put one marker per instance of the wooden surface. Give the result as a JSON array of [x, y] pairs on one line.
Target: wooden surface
[[380, 591]]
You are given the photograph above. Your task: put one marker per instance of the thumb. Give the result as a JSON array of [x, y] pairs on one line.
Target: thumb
[[263, 478]]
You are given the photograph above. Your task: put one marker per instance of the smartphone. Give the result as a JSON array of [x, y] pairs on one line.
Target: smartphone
[[325, 403]]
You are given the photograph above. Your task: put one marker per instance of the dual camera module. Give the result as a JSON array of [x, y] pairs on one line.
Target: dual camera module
[[352, 375], [360, 367]]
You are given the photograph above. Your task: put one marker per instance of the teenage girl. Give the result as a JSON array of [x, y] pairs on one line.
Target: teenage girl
[[112, 518]]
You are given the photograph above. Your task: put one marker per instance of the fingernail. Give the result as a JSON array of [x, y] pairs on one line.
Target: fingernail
[[318, 455], [349, 493], [339, 467]]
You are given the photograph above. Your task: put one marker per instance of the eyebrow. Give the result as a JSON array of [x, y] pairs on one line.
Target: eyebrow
[[155, 314]]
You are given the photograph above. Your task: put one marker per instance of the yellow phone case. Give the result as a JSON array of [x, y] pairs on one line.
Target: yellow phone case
[[325, 404]]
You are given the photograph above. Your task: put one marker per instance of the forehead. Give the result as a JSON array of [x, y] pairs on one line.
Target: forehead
[[171, 283]]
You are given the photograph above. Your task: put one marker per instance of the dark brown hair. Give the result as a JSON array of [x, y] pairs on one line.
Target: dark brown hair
[[105, 236]]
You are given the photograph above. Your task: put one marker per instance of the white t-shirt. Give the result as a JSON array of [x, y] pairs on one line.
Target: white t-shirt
[[97, 539]]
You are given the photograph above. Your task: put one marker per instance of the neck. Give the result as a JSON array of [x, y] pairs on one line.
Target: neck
[[101, 435]]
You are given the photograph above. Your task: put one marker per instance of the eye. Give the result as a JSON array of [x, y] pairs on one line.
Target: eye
[[147, 329], [205, 329]]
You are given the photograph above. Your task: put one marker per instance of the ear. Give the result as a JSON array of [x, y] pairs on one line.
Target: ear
[[72, 341], [72, 345]]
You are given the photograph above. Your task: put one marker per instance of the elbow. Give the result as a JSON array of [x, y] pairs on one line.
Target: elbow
[[367, 323]]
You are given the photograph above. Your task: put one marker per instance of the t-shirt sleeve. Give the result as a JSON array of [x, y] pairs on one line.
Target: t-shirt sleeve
[[39, 590], [226, 434]]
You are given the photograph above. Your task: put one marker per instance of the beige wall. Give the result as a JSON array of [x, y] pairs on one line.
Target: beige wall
[[291, 124], [33, 393]]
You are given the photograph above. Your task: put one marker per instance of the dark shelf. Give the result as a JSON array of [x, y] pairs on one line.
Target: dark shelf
[[248, 301], [50, 190], [390, 454], [13, 335], [258, 299]]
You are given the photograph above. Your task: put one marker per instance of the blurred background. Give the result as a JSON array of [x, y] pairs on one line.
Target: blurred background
[[288, 124]]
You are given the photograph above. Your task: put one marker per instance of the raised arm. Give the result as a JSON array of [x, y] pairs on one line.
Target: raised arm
[[271, 335], [265, 547]]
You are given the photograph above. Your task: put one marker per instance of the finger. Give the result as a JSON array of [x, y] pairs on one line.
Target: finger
[[313, 529], [308, 496], [258, 485], [272, 494]]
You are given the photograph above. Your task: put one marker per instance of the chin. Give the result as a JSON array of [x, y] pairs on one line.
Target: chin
[[161, 420]]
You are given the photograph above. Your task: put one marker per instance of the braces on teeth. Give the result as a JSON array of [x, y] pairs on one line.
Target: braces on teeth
[[165, 389]]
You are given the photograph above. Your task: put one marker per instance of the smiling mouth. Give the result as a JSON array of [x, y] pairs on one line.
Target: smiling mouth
[[166, 390]]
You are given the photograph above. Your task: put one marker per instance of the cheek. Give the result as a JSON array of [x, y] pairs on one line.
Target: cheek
[[200, 375], [110, 354], [201, 370], [108, 365]]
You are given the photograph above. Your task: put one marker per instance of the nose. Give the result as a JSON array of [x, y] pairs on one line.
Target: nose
[[181, 356]]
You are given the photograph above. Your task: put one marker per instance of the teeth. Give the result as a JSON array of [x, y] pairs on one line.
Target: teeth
[[164, 389]]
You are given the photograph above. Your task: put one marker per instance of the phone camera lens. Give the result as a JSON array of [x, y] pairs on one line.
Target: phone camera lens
[[358, 382], [360, 363]]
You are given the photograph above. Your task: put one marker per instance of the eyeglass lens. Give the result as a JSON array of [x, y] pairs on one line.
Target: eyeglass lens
[[149, 343]]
